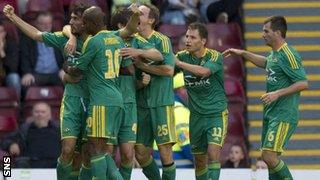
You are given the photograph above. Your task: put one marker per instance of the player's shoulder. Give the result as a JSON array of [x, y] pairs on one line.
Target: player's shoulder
[[160, 36], [136, 36], [289, 54], [182, 53], [212, 54]]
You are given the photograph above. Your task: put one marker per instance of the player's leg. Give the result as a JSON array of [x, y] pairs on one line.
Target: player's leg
[[70, 126], [127, 139], [278, 134], [144, 142], [165, 136], [216, 133], [198, 142]]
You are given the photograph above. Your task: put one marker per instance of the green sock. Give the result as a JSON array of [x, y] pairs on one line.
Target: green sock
[[99, 167], [74, 175], [113, 172], [125, 171], [85, 173], [151, 170], [202, 174], [63, 170], [169, 172], [214, 170], [282, 171]]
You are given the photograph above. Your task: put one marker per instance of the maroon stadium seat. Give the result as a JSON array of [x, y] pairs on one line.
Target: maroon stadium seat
[[103, 4], [49, 94], [223, 35], [236, 125], [7, 124], [8, 97], [44, 5], [13, 3], [174, 32], [11, 30], [234, 90], [234, 67]]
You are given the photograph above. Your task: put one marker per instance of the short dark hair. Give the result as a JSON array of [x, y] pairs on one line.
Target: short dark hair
[[278, 23], [79, 8], [122, 16], [154, 13], [202, 29]]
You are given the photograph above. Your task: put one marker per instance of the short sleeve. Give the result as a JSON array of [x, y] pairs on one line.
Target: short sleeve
[[55, 40], [214, 63], [292, 67], [89, 50]]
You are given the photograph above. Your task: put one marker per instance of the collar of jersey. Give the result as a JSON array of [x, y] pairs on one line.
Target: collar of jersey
[[284, 44]]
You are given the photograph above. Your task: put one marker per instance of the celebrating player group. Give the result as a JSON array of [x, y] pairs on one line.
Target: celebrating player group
[[119, 92]]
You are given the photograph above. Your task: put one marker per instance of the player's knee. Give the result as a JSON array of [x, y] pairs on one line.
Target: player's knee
[[269, 157], [214, 152], [127, 157], [141, 153]]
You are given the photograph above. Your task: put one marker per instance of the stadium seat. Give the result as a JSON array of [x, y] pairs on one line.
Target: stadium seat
[[174, 32], [13, 3], [103, 4], [223, 35], [236, 107], [44, 5], [7, 124], [49, 94], [11, 30], [236, 124], [234, 91], [234, 67], [8, 97]]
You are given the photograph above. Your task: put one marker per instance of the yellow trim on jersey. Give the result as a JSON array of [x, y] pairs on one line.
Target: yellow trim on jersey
[[168, 121], [140, 38], [164, 42], [104, 121], [151, 34], [286, 129], [94, 117], [283, 45], [205, 52], [225, 115], [278, 136], [85, 44], [214, 55], [61, 114], [58, 33], [291, 57]]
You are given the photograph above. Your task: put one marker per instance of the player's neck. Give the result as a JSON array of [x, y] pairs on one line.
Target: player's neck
[[200, 52], [146, 32], [277, 44]]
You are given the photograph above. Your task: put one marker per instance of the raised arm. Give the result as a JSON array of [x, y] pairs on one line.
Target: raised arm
[[258, 60], [26, 28], [131, 26]]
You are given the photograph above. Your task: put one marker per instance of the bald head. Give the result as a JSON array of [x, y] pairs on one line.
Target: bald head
[[93, 19]]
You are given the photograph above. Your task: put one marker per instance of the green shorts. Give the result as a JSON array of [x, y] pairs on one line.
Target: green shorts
[[156, 124], [104, 121], [275, 134], [73, 115], [128, 127], [207, 129]]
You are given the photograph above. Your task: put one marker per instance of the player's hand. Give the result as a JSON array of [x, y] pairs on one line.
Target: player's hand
[[270, 97], [70, 79], [232, 51], [27, 79], [134, 8], [177, 61], [138, 63], [145, 78], [8, 11], [71, 45], [130, 52]]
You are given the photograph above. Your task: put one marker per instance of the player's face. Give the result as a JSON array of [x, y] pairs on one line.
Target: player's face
[[144, 17], [76, 24], [194, 42], [268, 34], [236, 154]]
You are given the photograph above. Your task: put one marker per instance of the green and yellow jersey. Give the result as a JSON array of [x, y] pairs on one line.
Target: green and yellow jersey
[[101, 61], [206, 95], [58, 40], [159, 92], [284, 67]]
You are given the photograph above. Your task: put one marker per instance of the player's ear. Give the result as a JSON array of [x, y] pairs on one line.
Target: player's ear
[[204, 41]]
